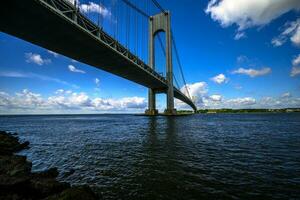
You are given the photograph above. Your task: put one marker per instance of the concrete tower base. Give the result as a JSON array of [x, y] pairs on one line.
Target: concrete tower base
[[151, 112], [170, 112]]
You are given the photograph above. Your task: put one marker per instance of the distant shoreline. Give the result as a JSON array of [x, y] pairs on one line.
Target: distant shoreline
[[244, 111], [201, 111]]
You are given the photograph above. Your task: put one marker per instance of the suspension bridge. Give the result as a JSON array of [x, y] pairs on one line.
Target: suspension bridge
[[117, 36]]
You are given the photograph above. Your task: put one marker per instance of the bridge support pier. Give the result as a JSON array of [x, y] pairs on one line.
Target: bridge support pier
[[170, 93], [161, 23], [151, 103]]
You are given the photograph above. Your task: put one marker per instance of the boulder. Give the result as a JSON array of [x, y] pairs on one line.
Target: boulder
[[14, 170], [10, 144], [17, 182]]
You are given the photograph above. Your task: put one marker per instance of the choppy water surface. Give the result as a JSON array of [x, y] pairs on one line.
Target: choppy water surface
[[195, 157]]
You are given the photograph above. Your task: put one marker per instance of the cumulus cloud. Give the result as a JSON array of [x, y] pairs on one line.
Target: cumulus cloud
[[295, 71], [291, 31], [281, 102], [96, 8], [242, 101], [284, 101], [36, 59], [217, 101], [216, 98], [66, 101], [219, 79], [205, 101], [249, 13], [253, 72], [72, 68], [196, 90], [24, 100]]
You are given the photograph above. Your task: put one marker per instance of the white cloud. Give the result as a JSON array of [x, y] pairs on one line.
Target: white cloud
[[96, 8], [277, 42], [66, 101], [221, 78], [291, 30], [217, 101], [216, 97], [12, 74], [286, 95], [24, 100], [97, 82], [53, 53], [80, 99], [242, 101], [239, 35], [29, 98], [296, 37], [72, 68], [253, 72], [36, 58], [203, 100], [62, 91], [295, 71], [249, 13], [281, 102], [296, 60], [197, 91]]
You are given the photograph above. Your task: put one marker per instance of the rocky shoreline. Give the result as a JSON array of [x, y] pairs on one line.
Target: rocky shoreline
[[17, 182]]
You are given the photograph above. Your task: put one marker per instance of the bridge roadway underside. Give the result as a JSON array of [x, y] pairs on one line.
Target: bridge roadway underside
[[34, 22]]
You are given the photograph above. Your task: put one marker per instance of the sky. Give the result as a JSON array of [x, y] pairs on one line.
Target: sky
[[234, 53]]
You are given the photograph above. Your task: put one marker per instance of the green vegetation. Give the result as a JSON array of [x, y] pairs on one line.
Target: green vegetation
[[185, 112], [225, 110]]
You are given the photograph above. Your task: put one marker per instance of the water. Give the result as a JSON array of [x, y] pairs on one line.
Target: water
[[226, 156]]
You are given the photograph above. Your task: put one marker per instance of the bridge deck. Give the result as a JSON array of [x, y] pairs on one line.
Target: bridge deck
[[50, 24]]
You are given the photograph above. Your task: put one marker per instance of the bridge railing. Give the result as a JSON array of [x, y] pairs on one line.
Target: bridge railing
[[73, 13]]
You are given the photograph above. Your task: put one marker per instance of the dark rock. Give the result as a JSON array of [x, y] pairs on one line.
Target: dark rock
[[11, 197], [14, 170], [10, 144], [14, 176], [17, 182], [75, 193], [50, 173], [43, 186], [22, 146]]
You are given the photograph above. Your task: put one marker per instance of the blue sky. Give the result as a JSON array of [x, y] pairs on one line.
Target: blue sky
[[235, 54]]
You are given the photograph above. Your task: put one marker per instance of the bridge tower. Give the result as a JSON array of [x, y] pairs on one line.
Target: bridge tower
[[161, 23]]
